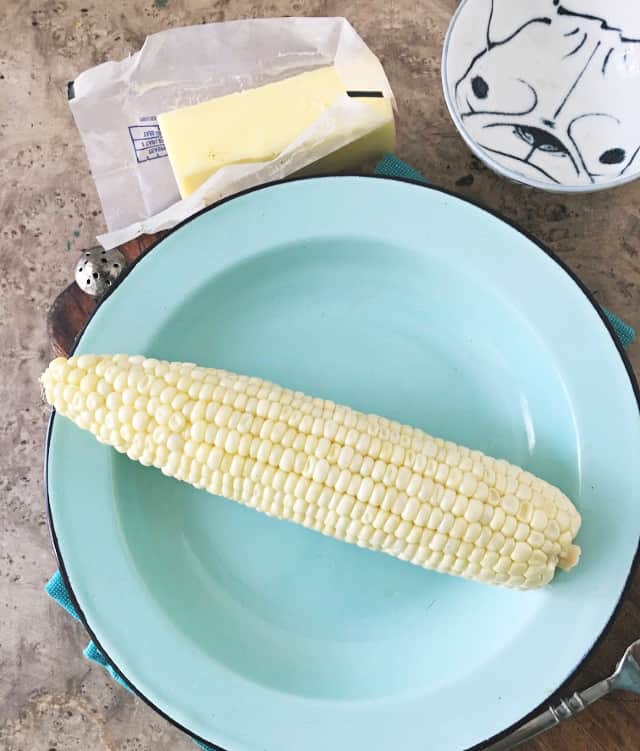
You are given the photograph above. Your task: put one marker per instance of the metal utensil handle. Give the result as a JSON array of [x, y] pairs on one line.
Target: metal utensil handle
[[553, 716]]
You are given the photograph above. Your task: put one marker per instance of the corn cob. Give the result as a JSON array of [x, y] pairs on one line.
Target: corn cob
[[359, 478]]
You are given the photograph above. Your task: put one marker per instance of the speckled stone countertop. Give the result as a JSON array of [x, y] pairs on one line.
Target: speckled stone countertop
[[50, 697]]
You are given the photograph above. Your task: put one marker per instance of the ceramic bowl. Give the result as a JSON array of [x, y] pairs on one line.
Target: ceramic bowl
[[545, 92]]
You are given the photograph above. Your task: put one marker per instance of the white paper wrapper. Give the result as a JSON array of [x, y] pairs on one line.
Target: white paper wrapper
[[115, 107]]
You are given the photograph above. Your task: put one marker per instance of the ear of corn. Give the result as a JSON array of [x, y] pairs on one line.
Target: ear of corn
[[359, 478]]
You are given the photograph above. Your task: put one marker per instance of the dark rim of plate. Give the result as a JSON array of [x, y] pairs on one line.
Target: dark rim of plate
[[623, 356]]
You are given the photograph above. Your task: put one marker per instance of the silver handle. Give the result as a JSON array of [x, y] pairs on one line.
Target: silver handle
[[553, 716]]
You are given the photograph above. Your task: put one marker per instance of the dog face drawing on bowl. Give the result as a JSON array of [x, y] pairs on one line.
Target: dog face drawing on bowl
[[547, 91]]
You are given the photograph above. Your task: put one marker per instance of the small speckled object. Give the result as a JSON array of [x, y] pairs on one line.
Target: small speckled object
[[98, 269]]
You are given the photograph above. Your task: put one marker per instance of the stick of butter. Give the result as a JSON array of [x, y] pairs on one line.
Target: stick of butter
[[258, 124]]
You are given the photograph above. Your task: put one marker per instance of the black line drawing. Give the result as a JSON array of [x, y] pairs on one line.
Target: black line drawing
[[606, 61], [577, 49], [481, 84], [575, 83], [540, 139], [524, 161], [511, 111], [491, 45], [562, 11]]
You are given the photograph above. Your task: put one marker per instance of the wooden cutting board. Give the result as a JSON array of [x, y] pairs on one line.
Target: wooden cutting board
[[72, 308]]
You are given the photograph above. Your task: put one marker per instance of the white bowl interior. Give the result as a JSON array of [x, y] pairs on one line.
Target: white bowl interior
[[545, 91]]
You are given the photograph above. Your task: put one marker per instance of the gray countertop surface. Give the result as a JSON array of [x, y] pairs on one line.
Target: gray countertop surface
[[50, 697]]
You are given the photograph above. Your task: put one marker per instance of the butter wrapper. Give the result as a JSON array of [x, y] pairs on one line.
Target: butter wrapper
[[115, 106]]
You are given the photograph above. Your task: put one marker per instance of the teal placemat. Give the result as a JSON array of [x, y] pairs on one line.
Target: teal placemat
[[389, 166]]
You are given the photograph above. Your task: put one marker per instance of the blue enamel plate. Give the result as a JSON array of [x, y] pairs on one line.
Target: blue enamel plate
[[393, 298]]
